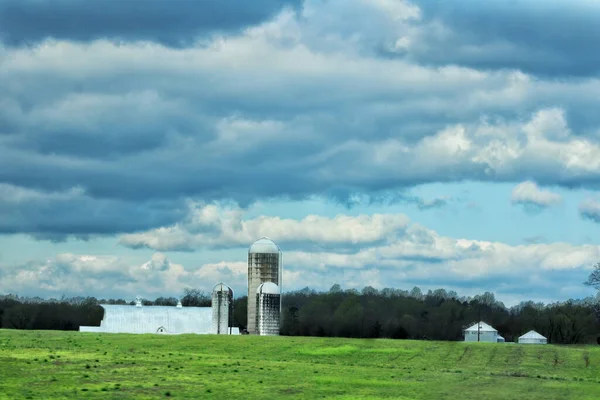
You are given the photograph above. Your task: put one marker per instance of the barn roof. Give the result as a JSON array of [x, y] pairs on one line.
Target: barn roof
[[483, 327], [532, 335]]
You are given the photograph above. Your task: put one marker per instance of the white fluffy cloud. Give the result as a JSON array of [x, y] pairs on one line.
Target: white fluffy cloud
[[358, 242], [413, 255], [528, 193], [98, 275], [399, 253], [213, 227]]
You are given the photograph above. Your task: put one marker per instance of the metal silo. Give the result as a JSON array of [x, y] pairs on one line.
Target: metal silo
[[264, 265], [222, 309], [268, 302]]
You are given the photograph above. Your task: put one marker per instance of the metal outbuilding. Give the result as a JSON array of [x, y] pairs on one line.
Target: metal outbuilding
[[481, 332], [532, 337]]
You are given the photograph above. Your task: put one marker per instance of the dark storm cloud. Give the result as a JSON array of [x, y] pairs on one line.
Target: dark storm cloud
[[265, 114], [171, 22], [555, 37], [58, 215], [86, 125]]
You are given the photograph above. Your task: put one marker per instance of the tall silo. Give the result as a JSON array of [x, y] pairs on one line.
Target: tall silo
[[264, 265], [268, 302], [222, 309]]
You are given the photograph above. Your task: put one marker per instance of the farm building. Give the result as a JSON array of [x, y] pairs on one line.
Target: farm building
[[264, 272], [154, 319], [532, 337], [481, 332], [500, 339]]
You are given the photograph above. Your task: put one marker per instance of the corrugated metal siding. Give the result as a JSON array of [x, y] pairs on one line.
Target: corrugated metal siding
[[148, 319], [471, 336], [533, 341]]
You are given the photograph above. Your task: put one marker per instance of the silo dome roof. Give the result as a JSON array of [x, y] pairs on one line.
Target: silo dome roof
[[264, 245], [268, 288], [221, 287]]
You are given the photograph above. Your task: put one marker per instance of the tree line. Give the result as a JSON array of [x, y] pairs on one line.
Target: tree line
[[70, 313], [369, 313], [435, 315]]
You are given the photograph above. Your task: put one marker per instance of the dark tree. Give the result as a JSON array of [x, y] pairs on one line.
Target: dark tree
[[195, 298], [594, 278], [376, 330]]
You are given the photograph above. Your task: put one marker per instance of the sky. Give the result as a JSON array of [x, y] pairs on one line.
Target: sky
[[392, 143]]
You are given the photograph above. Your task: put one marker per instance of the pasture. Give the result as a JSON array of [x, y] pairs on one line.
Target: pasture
[[73, 365]]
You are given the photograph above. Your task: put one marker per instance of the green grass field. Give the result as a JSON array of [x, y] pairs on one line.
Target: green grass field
[[73, 365]]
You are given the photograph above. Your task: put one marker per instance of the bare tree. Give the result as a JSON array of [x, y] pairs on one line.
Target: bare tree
[[594, 278], [594, 281]]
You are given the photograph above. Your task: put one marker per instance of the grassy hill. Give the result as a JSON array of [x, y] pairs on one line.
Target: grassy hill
[[73, 365]]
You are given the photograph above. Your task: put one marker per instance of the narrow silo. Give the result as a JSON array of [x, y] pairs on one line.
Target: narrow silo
[[268, 302], [264, 265], [222, 309]]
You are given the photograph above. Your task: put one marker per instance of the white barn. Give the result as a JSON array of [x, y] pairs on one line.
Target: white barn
[[164, 320], [532, 337], [153, 319], [485, 332]]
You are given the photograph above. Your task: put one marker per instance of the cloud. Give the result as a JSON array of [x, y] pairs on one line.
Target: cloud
[[523, 35], [141, 127], [29, 21], [527, 35], [158, 262], [96, 275], [418, 256], [56, 215], [234, 274], [321, 251], [208, 226], [426, 259], [590, 209], [529, 194], [391, 198], [117, 118], [535, 239]]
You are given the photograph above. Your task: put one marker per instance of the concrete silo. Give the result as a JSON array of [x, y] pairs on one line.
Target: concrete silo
[[264, 265], [268, 302], [222, 309]]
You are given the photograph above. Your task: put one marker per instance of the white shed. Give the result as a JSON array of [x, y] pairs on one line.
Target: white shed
[[481, 332], [532, 337], [500, 339]]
